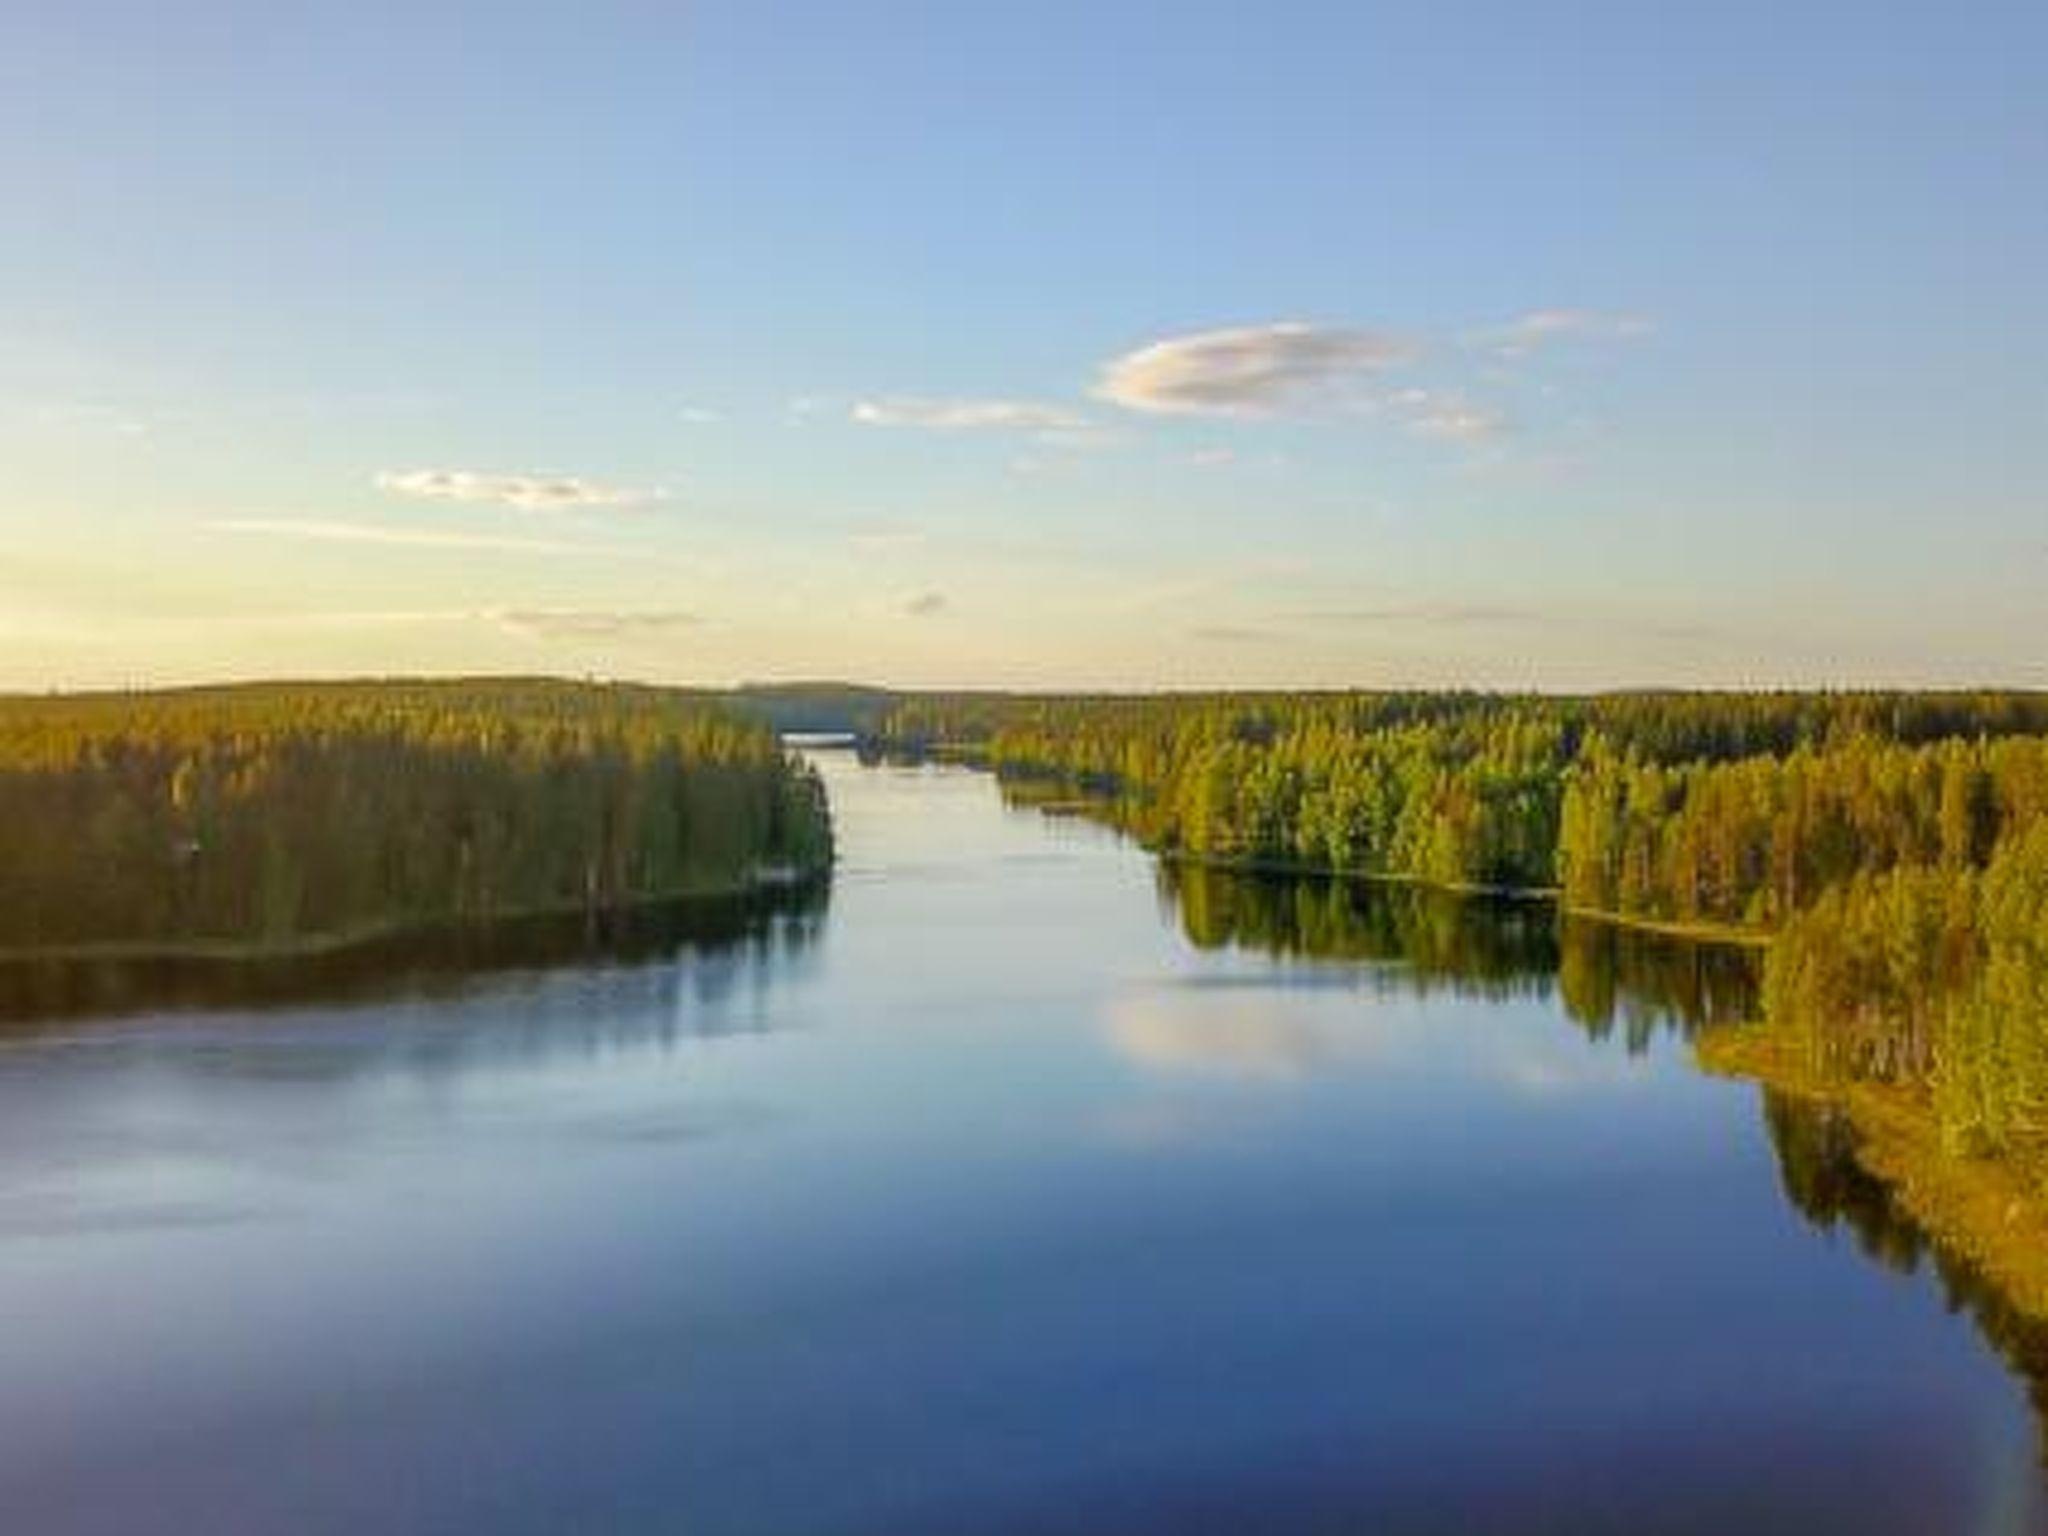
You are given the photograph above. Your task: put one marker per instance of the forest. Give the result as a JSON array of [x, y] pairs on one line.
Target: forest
[[270, 815], [1727, 810]]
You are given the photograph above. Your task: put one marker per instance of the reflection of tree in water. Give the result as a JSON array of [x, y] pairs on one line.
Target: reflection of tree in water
[[1611, 975], [1489, 947], [1825, 1183], [1816, 1147], [1484, 948], [713, 941]]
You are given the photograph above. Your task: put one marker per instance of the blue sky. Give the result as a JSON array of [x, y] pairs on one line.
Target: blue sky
[[1107, 344]]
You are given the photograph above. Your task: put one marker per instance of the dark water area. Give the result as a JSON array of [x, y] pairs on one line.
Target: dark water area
[[1021, 1186], [714, 931]]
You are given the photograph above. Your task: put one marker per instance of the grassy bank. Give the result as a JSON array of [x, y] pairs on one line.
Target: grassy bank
[[1982, 1211]]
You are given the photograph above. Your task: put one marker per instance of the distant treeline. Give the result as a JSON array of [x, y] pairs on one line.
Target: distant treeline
[[271, 814], [1722, 808]]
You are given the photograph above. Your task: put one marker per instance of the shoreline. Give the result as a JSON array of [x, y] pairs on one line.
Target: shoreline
[[1736, 935], [312, 946], [1975, 1209]]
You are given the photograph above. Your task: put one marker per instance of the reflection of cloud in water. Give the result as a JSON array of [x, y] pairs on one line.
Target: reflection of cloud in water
[[665, 1124], [1545, 1071], [1165, 1124], [1289, 1025], [1238, 1031], [1321, 976], [65, 1214]]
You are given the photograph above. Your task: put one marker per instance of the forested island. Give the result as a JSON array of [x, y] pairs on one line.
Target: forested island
[[1887, 851], [270, 816]]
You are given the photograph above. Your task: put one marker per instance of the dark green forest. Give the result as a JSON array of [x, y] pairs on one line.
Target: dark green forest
[[269, 814], [1731, 809]]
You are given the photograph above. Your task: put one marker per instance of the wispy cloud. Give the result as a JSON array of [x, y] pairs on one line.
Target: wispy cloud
[[1433, 615], [943, 414], [526, 493], [882, 533], [592, 623], [699, 415], [1233, 634], [1496, 616], [550, 624], [325, 532], [926, 605], [89, 417], [1446, 414], [1540, 327], [1251, 370], [352, 618]]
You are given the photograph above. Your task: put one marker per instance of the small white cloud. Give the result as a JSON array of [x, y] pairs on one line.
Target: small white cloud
[[925, 605], [956, 415], [324, 532], [699, 415], [1540, 327], [527, 493], [1212, 458], [1251, 370]]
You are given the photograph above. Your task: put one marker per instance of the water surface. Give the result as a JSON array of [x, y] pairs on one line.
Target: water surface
[[1024, 1188]]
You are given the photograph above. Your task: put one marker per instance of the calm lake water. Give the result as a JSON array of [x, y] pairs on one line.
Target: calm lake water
[[1022, 1188]]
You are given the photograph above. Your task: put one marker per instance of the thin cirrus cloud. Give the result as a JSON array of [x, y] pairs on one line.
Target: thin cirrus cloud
[[942, 414], [524, 493], [571, 624], [881, 534], [1487, 616], [321, 531], [1434, 615], [1256, 370], [547, 624], [1539, 328], [1446, 414]]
